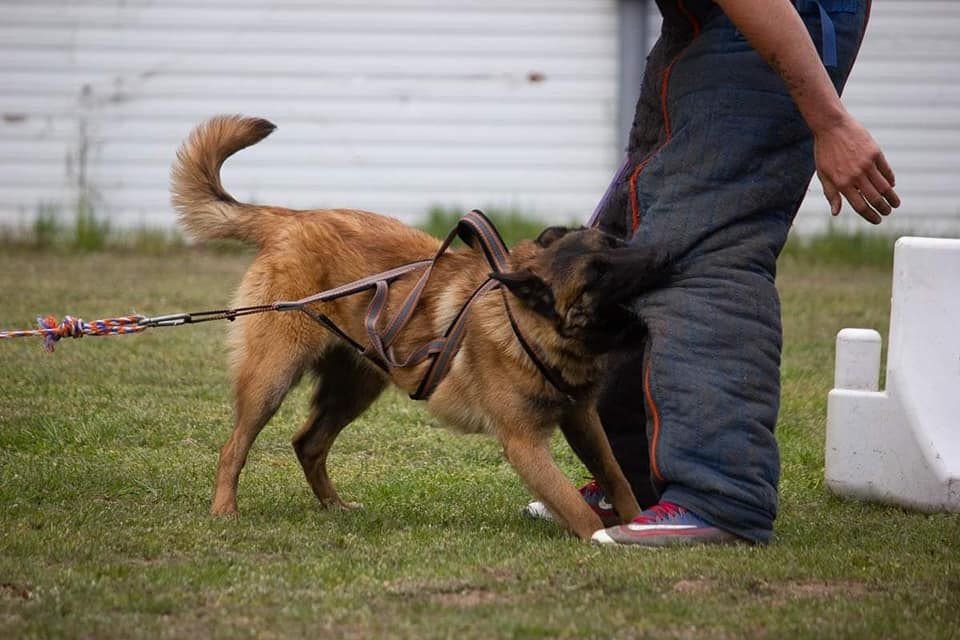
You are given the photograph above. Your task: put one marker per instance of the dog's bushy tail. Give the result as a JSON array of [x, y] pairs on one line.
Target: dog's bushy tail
[[205, 209]]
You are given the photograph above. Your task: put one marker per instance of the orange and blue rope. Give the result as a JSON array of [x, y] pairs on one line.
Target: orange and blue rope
[[52, 331]]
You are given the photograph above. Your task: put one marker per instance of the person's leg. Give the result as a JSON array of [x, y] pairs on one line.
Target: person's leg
[[720, 195], [620, 405], [622, 414]]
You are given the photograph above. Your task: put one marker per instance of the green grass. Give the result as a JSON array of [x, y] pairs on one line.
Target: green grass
[[92, 233], [512, 224], [834, 248], [107, 453]]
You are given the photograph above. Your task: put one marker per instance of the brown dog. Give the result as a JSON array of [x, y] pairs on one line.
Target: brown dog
[[566, 290]]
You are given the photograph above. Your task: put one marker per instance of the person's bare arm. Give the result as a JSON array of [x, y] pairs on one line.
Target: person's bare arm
[[849, 161]]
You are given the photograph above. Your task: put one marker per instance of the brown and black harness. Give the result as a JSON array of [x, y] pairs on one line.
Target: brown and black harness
[[476, 230]]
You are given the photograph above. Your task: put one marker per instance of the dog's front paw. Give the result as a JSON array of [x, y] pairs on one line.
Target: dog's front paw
[[337, 503], [224, 511]]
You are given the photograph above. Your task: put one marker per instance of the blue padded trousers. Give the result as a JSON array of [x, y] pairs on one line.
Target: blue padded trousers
[[718, 162]]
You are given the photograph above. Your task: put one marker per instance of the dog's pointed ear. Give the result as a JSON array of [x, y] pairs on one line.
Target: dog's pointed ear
[[530, 289], [550, 235]]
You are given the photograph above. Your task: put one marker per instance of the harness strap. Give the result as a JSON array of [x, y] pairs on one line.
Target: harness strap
[[472, 228], [378, 351], [552, 374], [377, 304], [476, 230], [477, 227], [332, 326], [451, 341], [352, 287]]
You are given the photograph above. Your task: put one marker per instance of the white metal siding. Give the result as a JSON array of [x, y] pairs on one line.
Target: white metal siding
[[391, 105], [904, 89], [395, 105]]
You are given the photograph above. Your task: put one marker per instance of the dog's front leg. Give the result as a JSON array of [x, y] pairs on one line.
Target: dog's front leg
[[529, 453], [582, 428]]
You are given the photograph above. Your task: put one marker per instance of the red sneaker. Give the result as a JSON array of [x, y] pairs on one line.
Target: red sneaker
[[664, 525], [594, 497]]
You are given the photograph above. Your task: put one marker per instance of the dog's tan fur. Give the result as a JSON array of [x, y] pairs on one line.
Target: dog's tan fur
[[492, 387]]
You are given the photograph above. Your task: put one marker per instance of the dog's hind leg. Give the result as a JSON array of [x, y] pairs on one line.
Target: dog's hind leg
[[529, 454], [262, 380], [582, 428], [347, 385]]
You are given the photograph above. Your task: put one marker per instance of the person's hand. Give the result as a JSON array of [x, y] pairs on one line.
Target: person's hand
[[850, 162]]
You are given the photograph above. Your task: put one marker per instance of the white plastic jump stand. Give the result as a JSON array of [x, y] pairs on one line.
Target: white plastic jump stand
[[902, 445]]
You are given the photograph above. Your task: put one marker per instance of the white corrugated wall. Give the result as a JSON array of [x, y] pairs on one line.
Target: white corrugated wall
[[395, 105], [391, 105], [904, 88]]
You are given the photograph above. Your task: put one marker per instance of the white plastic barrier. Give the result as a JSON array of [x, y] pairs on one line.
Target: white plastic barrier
[[902, 445]]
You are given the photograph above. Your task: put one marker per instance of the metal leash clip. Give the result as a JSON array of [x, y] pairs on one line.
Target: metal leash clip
[[170, 320]]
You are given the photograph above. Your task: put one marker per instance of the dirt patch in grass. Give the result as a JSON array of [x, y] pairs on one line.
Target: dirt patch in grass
[[695, 585], [500, 574], [779, 594], [822, 589], [779, 591], [457, 594], [15, 591], [464, 599]]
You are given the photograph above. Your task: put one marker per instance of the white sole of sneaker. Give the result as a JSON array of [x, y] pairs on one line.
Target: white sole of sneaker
[[538, 511], [600, 536]]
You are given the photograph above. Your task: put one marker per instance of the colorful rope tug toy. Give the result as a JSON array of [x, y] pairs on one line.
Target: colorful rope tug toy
[[52, 331]]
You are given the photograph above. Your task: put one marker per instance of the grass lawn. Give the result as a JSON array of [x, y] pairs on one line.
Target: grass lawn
[[107, 454]]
